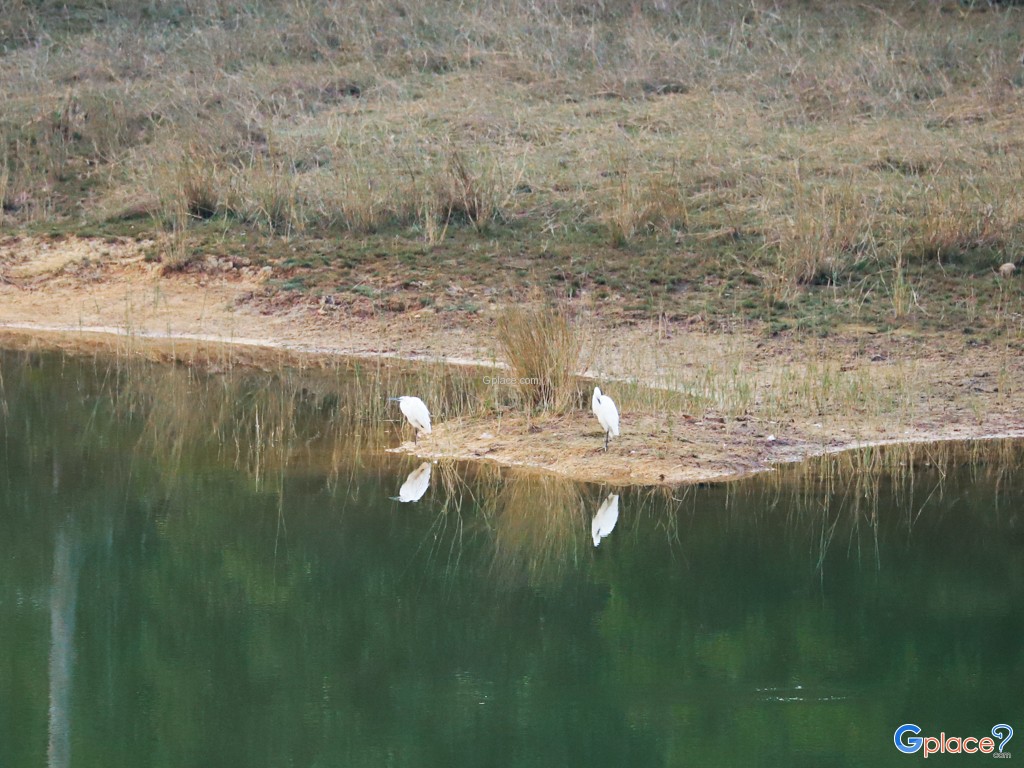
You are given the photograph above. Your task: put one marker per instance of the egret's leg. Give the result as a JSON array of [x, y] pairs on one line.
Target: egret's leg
[[606, 434], [415, 435]]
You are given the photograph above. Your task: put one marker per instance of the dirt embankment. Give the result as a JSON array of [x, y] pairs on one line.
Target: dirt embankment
[[755, 402]]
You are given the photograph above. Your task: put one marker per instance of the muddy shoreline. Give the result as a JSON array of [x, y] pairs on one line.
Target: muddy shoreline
[[696, 405], [567, 445]]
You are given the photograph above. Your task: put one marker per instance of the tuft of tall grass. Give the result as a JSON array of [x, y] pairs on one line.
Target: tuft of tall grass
[[543, 347], [264, 192], [822, 236], [637, 204], [463, 193], [187, 188], [628, 212], [968, 214], [469, 189], [187, 185]]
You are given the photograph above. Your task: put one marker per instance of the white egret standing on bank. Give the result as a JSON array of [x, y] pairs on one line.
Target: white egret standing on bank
[[416, 413], [605, 519], [606, 412]]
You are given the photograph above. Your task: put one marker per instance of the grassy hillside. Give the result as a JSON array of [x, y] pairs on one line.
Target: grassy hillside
[[801, 165]]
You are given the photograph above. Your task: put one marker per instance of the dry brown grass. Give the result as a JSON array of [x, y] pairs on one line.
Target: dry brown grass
[[802, 144], [542, 347]]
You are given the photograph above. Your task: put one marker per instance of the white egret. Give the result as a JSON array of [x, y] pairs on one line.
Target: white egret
[[605, 519], [606, 412], [416, 413], [415, 484]]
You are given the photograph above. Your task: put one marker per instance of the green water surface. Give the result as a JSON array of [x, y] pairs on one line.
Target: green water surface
[[209, 570]]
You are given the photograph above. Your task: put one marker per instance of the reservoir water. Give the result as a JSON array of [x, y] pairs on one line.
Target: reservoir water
[[212, 569]]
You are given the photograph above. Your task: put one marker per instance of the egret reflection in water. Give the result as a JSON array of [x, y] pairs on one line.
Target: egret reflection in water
[[605, 519], [415, 485]]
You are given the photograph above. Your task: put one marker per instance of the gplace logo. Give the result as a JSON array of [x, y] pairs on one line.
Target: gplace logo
[[951, 745]]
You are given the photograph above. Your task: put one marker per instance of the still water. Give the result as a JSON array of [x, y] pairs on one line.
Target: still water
[[211, 570]]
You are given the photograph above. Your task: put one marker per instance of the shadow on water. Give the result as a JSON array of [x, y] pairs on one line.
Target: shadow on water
[[224, 568]]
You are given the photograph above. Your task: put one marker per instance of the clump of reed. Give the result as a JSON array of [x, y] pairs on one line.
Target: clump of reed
[[543, 348]]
